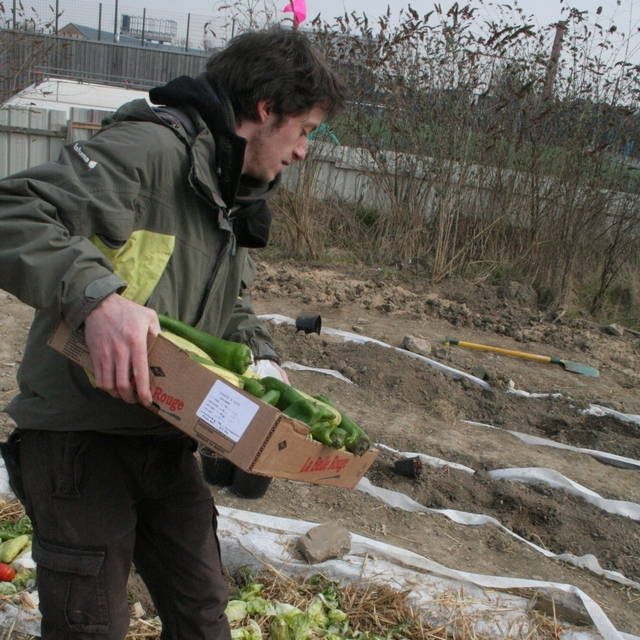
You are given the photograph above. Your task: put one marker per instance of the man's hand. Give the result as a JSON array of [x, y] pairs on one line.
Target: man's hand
[[116, 334]]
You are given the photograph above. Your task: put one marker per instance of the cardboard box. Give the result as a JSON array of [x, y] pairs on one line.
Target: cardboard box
[[252, 434]]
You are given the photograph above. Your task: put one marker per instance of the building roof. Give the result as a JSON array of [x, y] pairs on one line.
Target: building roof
[[65, 95], [107, 36]]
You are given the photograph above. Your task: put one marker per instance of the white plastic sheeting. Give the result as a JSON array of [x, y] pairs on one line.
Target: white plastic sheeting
[[294, 366], [530, 475], [609, 458], [598, 410], [20, 619], [511, 388], [254, 539], [5, 489], [347, 336], [441, 594], [402, 501], [430, 460]]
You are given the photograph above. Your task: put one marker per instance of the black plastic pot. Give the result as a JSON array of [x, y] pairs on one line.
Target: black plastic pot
[[216, 469], [309, 324], [249, 485], [409, 467]]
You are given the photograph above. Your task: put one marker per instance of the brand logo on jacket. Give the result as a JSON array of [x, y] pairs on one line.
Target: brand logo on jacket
[[84, 157]]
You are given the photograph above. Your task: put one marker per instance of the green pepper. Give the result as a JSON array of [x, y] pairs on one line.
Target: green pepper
[[290, 395], [230, 355], [322, 432], [303, 411], [253, 386], [271, 397], [338, 438], [356, 440]]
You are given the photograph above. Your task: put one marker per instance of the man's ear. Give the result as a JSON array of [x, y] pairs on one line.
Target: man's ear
[[264, 109]]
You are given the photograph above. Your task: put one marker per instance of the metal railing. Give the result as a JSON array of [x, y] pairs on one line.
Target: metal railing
[[117, 23]]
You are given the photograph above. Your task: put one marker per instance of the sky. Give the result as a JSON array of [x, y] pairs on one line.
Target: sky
[[544, 11], [624, 13]]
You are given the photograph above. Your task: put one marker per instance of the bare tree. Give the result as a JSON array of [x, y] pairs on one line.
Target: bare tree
[[24, 46], [484, 162]]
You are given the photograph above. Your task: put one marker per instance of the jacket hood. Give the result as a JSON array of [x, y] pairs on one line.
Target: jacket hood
[[138, 109], [217, 158]]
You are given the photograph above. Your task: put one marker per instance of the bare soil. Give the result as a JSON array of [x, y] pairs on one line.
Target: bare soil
[[407, 405]]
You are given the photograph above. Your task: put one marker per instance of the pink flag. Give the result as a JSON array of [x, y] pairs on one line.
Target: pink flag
[[299, 9]]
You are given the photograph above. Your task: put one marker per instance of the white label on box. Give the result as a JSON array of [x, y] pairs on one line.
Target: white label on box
[[227, 411]]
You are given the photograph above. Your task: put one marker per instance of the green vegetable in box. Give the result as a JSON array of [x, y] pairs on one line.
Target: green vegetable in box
[[234, 356], [230, 361]]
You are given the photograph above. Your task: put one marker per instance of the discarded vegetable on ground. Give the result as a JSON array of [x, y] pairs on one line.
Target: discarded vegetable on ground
[[10, 549], [15, 531], [7, 572], [271, 606]]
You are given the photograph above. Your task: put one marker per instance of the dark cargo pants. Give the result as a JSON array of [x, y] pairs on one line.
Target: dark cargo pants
[[98, 502]]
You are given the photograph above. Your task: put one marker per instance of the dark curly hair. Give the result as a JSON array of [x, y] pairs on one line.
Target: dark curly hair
[[277, 65]]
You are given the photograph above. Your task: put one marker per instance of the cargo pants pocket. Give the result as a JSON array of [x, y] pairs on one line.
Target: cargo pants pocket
[[72, 588], [68, 479]]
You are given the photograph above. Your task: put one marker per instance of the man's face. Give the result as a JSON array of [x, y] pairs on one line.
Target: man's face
[[273, 145]]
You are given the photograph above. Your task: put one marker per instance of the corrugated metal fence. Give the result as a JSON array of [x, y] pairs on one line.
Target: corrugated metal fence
[[30, 136]]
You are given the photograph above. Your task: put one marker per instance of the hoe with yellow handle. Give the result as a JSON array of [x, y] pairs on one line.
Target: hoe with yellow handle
[[574, 367]]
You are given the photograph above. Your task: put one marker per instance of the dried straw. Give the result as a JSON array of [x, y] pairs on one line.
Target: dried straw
[[141, 629], [377, 609], [11, 511], [372, 608]]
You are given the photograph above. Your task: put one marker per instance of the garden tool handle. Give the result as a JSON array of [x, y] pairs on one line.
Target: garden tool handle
[[505, 352]]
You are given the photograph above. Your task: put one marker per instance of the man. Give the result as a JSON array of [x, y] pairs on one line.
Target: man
[[154, 214]]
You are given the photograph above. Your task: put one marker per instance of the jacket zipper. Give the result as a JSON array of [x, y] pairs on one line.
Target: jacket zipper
[[216, 268], [229, 245]]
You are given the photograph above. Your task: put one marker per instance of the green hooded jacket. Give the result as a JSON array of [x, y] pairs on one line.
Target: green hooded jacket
[[143, 194]]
